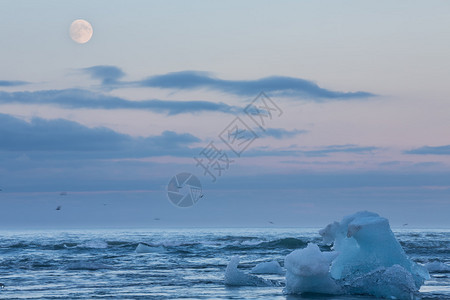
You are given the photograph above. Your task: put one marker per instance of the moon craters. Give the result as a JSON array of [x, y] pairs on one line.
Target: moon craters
[[81, 31]]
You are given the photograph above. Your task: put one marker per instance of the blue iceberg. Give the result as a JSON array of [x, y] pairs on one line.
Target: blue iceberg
[[366, 259]]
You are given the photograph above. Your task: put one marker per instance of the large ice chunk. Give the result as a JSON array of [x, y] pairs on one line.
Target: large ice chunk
[[366, 259], [437, 267]]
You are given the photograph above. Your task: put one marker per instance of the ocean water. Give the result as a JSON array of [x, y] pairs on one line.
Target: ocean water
[[185, 264]]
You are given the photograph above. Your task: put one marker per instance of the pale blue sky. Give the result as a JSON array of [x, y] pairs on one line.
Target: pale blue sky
[[363, 86]]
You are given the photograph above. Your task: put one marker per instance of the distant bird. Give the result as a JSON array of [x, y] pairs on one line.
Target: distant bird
[[156, 219], [63, 194], [2, 286], [270, 222], [59, 207], [405, 224]]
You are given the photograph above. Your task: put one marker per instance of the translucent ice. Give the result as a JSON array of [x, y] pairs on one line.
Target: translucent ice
[[271, 267], [393, 283], [234, 276], [145, 248], [366, 259]]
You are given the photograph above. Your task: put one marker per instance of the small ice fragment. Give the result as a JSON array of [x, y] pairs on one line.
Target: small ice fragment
[[271, 267], [236, 277]]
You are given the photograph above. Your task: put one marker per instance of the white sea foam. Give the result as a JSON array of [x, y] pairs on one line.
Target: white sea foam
[[251, 242], [94, 244]]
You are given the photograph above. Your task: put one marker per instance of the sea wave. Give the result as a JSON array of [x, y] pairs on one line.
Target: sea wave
[[104, 264], [437, 267]]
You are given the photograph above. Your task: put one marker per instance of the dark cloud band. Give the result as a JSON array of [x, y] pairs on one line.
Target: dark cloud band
[[8, 83], [278, 85], [77, 98], [190, 80], [428, 150], [72, 140]]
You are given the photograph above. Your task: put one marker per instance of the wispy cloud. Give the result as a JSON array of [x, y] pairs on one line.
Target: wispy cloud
[[283, 85], [280, 133], [77, 98], [330, 179], [340, 149], [8, 83], [191, 80], [428, 150], [107, 74], [317, 152]]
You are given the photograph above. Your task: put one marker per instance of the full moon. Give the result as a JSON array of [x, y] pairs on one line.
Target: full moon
[[81, 31]]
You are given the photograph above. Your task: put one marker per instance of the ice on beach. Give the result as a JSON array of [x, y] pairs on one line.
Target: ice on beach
[[271, 267], [236, 277], [145, 248], [366, 259]]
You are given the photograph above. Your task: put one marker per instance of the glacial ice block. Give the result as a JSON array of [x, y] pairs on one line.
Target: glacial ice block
[[366, 259], [392, 283], [308, 271]]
